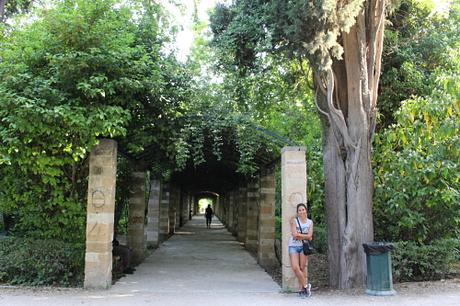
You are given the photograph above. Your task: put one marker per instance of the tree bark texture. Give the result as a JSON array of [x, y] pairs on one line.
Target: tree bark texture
[[346, 97], [2, 10]]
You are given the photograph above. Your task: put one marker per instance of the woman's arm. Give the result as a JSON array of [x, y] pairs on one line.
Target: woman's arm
[[295, 234], [309, 234]]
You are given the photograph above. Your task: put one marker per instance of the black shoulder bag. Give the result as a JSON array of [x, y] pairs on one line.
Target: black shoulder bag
[[307, 246]]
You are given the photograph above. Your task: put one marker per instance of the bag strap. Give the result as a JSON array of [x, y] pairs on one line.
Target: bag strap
[[300, 227]]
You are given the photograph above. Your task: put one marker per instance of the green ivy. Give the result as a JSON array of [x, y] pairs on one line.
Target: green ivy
[[40, 262]]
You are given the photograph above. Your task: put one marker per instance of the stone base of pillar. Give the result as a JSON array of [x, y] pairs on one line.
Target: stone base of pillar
[[163, 237], [98, 275]]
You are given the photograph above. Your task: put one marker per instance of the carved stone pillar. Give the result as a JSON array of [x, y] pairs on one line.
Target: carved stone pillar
[[266, 235], [242, 213], [100, 215], [173, 198], [136, 217], [153, 215], [164, 212], [252, 215], [293, 192]]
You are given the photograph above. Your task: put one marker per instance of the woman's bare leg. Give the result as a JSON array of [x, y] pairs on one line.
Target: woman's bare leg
[[304, 267], [295, 265]]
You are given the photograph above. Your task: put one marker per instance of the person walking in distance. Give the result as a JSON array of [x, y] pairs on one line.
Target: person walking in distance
[[208, 214], [301, 229]]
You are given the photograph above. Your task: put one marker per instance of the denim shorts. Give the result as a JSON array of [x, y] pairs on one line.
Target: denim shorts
[[295, 249]]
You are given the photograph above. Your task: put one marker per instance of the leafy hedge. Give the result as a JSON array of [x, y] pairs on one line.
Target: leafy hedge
[[418, 262], [36, 262], [320, 238]]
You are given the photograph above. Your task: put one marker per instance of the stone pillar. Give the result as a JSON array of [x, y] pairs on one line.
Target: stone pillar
[[195, 205], [242, 214], [153, 215], [185, 207], [223, 208], [231, 211], [164, 212], [172, 210], [191, 206], [218, 206], [100, 215], [236, 205], [178, 206], [293, 192], [266, 255], [252, 215], [136, 217]]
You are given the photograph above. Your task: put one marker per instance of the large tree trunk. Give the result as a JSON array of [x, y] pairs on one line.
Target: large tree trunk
[[347, 96], [2, 10]]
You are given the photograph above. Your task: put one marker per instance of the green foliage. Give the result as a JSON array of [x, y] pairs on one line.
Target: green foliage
[[320, 238], [14, 7], [79, 71], [278, 227], [417, 169], [203, 137], [417, 44], [41, 262], [412, 261], [307, 29]]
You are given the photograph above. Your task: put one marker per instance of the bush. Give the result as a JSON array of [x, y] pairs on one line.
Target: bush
[[419, 262], [277, 227], [36, 262], [320, 238], [417, 169]]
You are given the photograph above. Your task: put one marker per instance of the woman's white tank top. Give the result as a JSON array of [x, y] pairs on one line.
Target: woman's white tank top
[[305, 227]]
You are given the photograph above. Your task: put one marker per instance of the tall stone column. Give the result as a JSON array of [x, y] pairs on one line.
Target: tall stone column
[[164, 212], [136, 217], [185, 207], [236, 205], [218, 206], [100, 215], [225, 209], [153, 215], [266, 255], [191, 206], [178, 206], [293, 192], [230, 211], [172, 210], [195, 205], [252, 215], [242, 214]]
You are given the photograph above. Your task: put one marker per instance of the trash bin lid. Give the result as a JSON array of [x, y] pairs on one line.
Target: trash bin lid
[[377, 248]]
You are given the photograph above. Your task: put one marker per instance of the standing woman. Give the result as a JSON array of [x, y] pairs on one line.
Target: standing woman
[[301, 229]]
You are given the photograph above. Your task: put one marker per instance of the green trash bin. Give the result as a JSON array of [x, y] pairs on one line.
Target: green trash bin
[[378, 259]]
